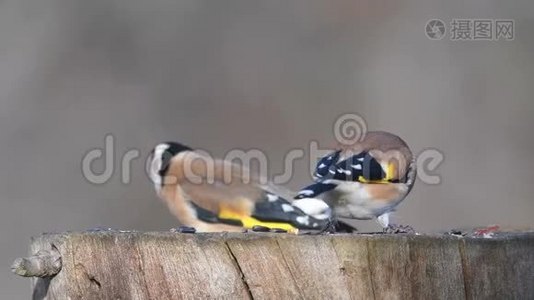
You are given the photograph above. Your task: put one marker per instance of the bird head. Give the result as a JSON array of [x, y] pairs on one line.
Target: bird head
[[160, 160]]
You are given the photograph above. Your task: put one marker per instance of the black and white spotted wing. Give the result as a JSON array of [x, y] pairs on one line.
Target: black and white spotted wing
[[278, 209], [349, 169], [358, 166], [326, 165], [272, 208], [331, 172]]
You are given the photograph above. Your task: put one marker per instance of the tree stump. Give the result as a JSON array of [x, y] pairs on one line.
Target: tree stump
[[133, 265]]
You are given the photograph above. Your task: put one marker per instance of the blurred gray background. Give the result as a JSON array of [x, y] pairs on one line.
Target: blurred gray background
[[271, 75]]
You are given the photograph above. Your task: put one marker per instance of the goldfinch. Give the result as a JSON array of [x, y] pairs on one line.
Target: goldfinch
[[214, 195], [365, 180]]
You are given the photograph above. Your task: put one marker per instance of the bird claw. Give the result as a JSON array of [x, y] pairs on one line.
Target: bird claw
[[330, 228], [342, 227], [397, 228]]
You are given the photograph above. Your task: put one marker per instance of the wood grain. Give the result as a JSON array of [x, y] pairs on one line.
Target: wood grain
[[132, 265], [499, 268]]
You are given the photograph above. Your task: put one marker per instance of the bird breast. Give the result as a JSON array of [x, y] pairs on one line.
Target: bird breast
[[366, 201]]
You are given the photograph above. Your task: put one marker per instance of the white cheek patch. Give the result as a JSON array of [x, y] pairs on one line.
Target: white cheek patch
[[156, 164]]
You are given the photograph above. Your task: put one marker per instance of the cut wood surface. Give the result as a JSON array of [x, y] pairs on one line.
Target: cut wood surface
[[134, 265]]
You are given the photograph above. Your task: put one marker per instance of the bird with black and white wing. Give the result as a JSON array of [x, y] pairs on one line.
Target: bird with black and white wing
[[365, 180], [214, 195]]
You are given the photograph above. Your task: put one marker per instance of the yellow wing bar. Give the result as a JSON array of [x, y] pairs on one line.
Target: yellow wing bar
[[249, 222]]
